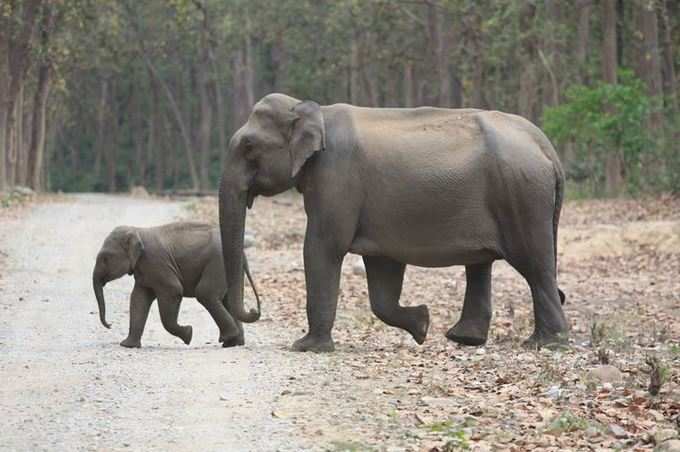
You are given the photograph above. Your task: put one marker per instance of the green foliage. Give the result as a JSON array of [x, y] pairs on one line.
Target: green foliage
[[369, 52], [456, 437], [566, 422], [603, 119]]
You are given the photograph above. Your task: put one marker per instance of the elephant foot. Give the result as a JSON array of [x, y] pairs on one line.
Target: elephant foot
[[315, 344], [422, 323], [186, 334], [130, 343], [539, 339], [233, 341], [468, 333]]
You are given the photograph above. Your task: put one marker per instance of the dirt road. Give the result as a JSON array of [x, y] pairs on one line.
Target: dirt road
[[68, 385]]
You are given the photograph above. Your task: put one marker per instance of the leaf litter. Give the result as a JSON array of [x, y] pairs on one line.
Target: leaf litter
[[381, 391]]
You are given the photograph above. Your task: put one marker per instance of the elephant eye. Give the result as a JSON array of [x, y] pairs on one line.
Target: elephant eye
[[247, 144]]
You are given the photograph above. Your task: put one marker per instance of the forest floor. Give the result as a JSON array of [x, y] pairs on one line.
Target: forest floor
[[620, 268], [68, 385]]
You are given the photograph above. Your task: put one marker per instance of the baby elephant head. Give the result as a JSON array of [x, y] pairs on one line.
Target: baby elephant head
[[118, 256]]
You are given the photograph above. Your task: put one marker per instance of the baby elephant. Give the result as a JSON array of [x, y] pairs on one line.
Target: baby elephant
[[169, 262]]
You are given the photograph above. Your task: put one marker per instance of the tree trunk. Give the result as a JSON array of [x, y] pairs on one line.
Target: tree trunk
[[140, 143], [17, 151], [354, 72], [614, 161], [205, 123], [650, 61], [243, 69], [527, 82], [101, 120], [551, 57], [19, 36], [409, 88], [368, 73], [221, 118], [439, 51], [157, 145], [473, 31], [111, 145], [584, 8], [4, 80], [37, 147], [669, 80], [249, 75]]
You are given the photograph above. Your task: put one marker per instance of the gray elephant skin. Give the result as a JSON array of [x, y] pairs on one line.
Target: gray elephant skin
[[424, 186], [169, 262]]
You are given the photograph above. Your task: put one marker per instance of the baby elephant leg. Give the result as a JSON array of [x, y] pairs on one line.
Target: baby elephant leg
[[140, 302], [169, 309]]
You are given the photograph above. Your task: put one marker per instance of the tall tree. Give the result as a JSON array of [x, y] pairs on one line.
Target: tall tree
[[36, 150], [528, 59], [650, 62], [614, 159], [17, 29], [669, 77]]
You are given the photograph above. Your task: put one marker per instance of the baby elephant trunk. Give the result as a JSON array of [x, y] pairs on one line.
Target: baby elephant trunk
[[98, 286]]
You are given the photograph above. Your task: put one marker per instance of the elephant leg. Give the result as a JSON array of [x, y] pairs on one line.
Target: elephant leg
[[322, 278], [140, 302], [224, 321], [473, 326], [168, 307], [537, 264], [210, 295], [385, 277]]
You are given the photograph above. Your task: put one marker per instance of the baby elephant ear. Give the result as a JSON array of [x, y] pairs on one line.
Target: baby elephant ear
[[308, 134], [135, 248]]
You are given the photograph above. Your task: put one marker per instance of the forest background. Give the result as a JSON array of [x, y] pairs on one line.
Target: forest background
[[104, 95]]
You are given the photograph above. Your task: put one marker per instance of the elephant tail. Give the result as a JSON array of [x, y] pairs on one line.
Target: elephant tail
[[252, 283], [559, 197]]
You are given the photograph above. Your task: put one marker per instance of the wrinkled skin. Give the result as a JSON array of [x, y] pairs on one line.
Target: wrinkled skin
[[169, 262], [426, 186]]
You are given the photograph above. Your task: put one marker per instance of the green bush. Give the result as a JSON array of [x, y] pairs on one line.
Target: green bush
[[600, 119]]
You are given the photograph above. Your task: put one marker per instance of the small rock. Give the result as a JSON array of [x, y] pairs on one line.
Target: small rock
[[617, 431], [592, 432], [554, 392], [664, 435], [672, 445], [606, 374], [608, 387]]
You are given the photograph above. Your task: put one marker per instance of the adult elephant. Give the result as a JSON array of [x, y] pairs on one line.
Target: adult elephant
[[423, 186]]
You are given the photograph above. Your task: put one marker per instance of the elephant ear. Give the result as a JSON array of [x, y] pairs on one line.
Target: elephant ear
[[308, 134], [135, 248]]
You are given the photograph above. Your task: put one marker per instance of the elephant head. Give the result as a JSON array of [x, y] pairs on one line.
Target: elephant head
[[265, 157], [118, 256]]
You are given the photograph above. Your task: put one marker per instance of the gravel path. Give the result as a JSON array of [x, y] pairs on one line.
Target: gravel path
[[68, 385]]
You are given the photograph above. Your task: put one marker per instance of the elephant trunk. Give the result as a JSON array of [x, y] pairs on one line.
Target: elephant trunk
[[98, 286], [232, 206]]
